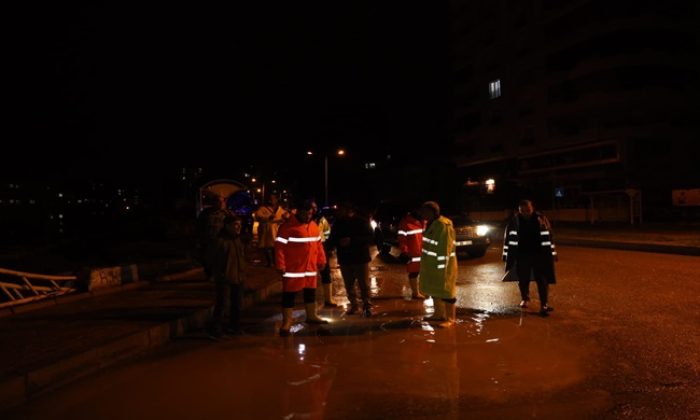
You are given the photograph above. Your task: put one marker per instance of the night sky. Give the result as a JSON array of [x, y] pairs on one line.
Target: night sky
[[231, 82]]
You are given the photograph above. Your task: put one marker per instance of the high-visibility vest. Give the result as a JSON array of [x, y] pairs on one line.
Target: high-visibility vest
[[299, 252], [438, 268], [411, 241]]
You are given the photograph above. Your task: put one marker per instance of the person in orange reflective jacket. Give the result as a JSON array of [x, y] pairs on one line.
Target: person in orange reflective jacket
[[411, 244], [299, 255]]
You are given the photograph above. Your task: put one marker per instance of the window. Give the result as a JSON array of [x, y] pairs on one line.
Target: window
[[495, 89]]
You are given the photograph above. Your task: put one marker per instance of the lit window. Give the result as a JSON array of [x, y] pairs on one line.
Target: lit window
[[370, 165], [495, 89]]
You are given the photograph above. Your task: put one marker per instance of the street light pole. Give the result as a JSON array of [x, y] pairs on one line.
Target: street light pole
[[325, 177], [340, 152]]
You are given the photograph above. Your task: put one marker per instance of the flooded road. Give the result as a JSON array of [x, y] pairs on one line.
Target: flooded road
[[622, 343]]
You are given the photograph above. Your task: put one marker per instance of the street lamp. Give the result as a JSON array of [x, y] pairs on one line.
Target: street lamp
[[339, 152]]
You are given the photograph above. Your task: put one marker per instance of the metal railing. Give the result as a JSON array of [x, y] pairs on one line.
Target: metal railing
[[19, 287]]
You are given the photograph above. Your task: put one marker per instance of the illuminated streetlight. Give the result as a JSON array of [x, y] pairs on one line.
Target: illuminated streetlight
[[339, 152]]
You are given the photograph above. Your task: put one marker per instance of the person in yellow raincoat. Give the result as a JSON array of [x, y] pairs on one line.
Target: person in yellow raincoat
[[438, 265], [269, 217]]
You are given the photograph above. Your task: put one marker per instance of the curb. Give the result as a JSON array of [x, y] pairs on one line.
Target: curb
[[16, 389], [156, 270], [632, 246], [70, 298]]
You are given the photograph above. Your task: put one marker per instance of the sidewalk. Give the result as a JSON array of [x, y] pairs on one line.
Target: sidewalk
[[662, 238], [42, 348], [77, 335]]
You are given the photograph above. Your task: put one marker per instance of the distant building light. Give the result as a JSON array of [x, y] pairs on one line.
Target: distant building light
[[60, 195], [309, 152], [341, 152], [127, 207], [50, 216], [274, 181], [253, 180], [60, 216], [80, 201], [184, 178], [370, 165], [30, 201], [12, 201], [490, 185], [388, 157], [495, 89], [258, 190]]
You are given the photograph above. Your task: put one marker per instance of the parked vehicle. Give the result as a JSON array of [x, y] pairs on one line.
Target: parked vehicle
[[472, 237]]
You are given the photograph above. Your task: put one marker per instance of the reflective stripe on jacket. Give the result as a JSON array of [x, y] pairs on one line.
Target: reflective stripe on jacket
[[299, 252]]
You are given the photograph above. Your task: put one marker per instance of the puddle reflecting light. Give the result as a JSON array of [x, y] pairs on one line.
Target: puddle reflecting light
[[426, 327]]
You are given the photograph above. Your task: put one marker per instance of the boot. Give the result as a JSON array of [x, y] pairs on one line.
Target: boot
[[328, 296], [439, 314], [286, 321], [414, 287], [450, 315], [311, 316]]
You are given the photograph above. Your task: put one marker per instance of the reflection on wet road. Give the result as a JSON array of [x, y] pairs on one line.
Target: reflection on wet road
[[497, 362]]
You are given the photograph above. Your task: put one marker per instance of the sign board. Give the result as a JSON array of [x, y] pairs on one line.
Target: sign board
[[101, 278], [683, 198]]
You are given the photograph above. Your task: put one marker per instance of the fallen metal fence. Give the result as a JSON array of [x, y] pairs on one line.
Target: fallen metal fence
[[19, 287]]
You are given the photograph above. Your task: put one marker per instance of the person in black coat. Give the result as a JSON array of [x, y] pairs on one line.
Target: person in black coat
[[530, 253], [352, 236]]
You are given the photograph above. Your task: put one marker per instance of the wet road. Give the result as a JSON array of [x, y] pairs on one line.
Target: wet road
[[623, 342]]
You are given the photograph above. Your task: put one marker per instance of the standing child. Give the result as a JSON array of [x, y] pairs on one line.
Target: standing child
[[229, 275]]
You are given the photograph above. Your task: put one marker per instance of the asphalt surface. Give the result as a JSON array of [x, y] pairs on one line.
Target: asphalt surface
[[48, 346]]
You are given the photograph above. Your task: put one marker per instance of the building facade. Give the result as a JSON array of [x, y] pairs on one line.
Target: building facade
[[579, 104]]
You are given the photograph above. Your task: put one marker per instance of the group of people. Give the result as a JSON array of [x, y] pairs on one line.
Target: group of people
[[298, 243], [427, 241]]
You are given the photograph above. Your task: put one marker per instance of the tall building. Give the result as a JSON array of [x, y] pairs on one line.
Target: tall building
[[580, 104]]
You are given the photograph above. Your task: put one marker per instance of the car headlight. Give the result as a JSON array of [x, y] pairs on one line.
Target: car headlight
[[482, 230], [373, 224]]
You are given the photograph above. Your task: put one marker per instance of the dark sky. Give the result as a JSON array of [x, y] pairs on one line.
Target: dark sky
[[229, 82]]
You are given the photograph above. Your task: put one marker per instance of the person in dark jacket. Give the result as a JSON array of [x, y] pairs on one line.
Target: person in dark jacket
[[209, 225], [351, 236], [530, 253], [229, 274]]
